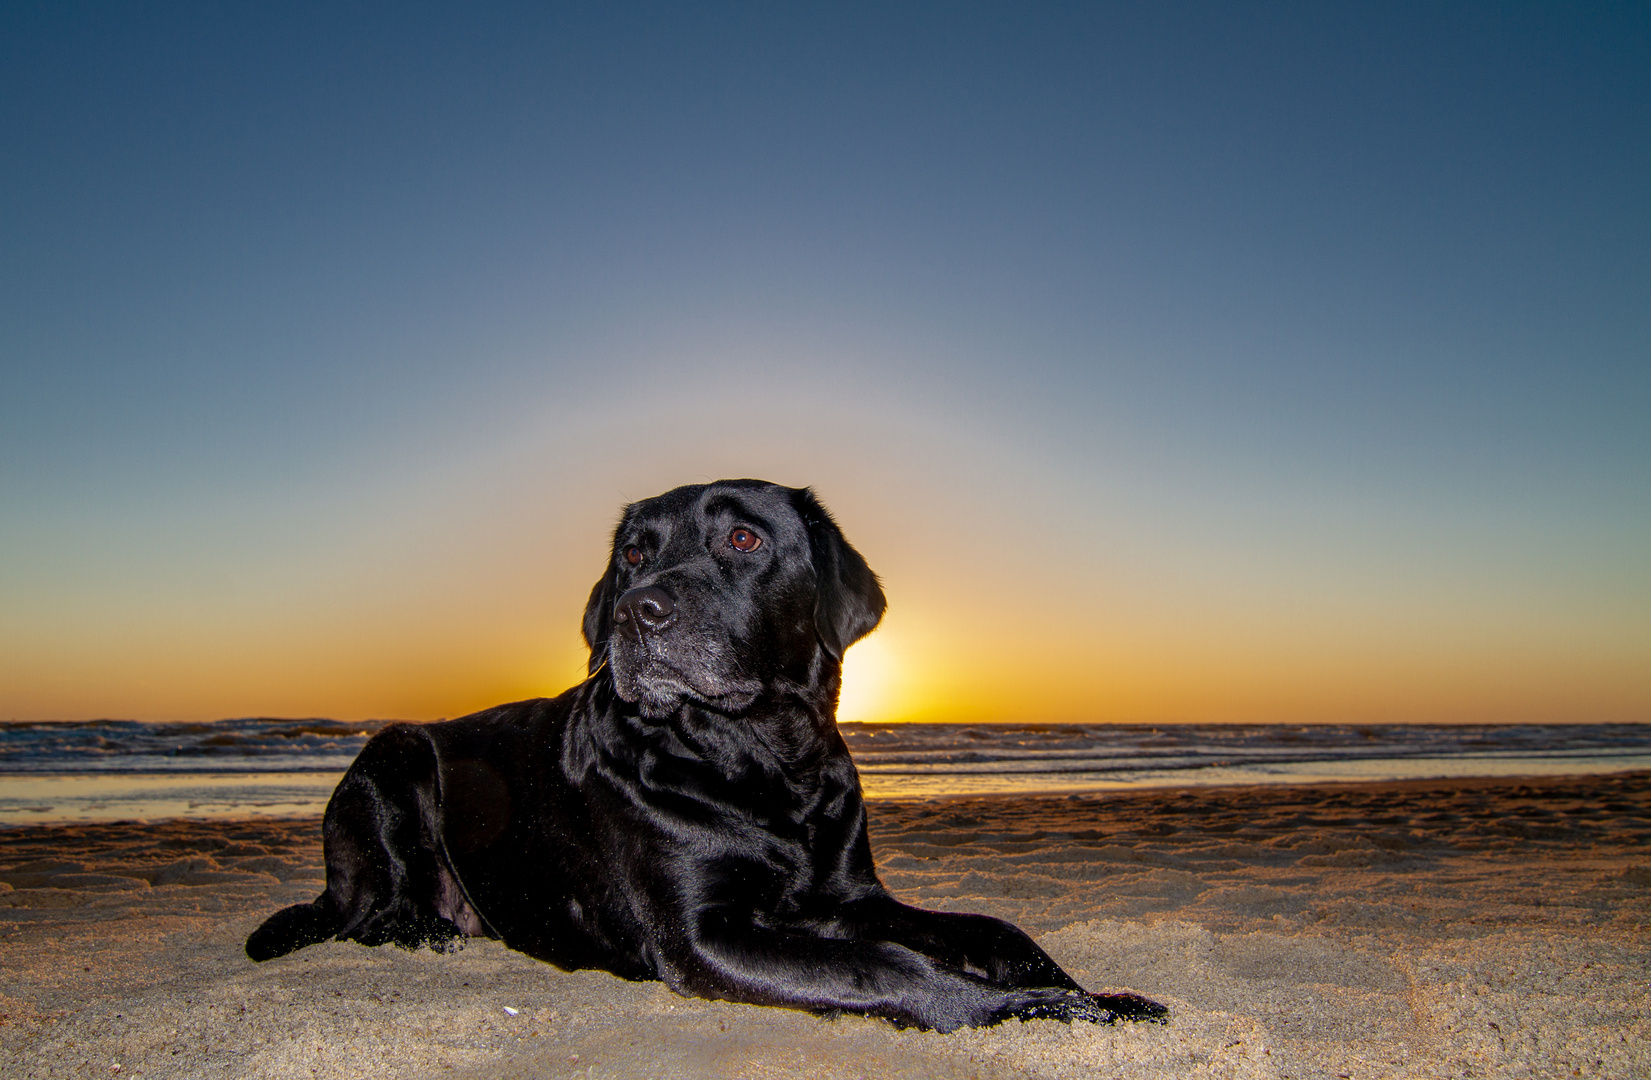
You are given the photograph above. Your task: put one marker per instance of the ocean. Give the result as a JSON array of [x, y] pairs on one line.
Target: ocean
[[123, 770]]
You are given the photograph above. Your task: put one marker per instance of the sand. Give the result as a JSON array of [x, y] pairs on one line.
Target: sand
[[1426, 929]]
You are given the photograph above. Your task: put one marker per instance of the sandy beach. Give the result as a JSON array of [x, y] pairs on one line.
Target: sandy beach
[[1420, 929]]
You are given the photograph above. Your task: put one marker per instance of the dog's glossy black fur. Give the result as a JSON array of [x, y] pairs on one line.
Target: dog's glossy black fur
[[689, 812]]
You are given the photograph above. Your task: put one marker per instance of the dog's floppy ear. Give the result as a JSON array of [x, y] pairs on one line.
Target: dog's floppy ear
[[599, 609], [599, 621], [850, 601]]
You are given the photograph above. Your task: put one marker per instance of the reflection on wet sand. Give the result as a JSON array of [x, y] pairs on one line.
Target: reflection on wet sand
[[36, 799]]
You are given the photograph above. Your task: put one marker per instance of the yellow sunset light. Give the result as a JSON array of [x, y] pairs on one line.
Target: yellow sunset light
[[872, 687]]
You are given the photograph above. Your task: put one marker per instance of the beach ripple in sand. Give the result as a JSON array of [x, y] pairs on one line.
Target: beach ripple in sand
[[1428, 929]]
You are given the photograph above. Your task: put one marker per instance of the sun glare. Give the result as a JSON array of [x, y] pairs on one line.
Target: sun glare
[[870, 677]]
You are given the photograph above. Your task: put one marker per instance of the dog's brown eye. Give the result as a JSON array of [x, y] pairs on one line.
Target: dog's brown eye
[[744, 540], [633, 555]]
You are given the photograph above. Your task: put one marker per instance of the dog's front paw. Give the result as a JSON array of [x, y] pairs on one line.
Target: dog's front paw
[[1131, 1007], [1094, 1008]]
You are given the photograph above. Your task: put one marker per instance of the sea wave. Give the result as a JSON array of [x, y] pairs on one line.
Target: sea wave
[[253, 767]]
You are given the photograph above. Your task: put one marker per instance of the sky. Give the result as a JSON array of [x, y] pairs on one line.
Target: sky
[[1170, 362]]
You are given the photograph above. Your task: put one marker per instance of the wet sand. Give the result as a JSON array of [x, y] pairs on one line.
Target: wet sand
[[1419, 929]]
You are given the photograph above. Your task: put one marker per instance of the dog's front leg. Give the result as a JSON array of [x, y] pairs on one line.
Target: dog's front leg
[[980, 945], [731, 957]]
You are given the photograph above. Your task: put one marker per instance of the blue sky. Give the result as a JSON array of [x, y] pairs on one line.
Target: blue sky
[[1298, 354]]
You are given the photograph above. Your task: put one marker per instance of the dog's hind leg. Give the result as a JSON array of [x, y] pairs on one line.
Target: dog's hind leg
[[293, 928], [386, 879]]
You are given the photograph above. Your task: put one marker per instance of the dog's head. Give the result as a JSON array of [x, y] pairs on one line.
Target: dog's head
[[715, 593]]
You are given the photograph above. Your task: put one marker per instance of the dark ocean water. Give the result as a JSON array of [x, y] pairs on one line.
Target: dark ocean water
[[125, 769]]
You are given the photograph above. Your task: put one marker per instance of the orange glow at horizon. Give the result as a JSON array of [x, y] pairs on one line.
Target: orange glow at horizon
[[470, 595], [910, 670]]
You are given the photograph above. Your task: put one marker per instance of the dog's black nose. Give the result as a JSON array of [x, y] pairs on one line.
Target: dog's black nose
[[646, 609]]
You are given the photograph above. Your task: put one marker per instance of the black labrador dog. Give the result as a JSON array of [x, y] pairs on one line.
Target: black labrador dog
[[687, 813]]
